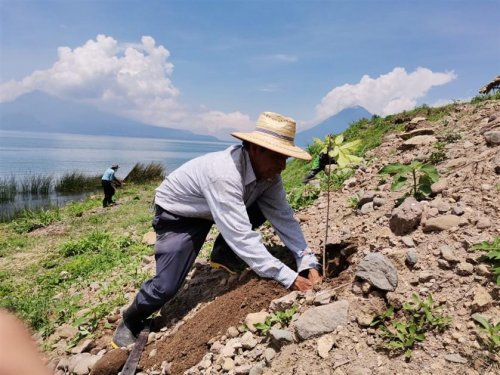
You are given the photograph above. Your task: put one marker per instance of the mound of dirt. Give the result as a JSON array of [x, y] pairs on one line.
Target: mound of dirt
[[188, 345]]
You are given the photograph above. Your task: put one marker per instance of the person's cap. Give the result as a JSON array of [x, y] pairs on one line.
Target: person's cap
[[115, 166], [275, 132]]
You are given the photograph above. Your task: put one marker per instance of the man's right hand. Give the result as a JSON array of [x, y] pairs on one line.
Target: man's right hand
[[302, 284]]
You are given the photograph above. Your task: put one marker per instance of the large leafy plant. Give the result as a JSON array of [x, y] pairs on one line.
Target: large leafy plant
[[420, 177], [344, 153]]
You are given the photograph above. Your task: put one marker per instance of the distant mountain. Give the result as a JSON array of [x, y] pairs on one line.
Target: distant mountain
[[41, 112], [335, 124]]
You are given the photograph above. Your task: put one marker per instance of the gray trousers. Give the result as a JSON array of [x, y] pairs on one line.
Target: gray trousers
[[178, 242]]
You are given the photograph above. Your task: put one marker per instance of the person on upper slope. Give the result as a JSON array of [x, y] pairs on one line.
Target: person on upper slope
[[238, 189]]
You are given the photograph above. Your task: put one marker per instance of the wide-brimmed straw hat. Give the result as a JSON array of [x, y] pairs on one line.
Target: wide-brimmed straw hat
[[275, 132]]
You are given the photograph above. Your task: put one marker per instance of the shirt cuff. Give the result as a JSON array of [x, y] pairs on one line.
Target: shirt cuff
[[307, 261], [286, 276]]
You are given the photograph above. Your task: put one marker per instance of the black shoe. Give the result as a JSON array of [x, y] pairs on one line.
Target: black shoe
[[222, 257], [133, 322], [123, 336]]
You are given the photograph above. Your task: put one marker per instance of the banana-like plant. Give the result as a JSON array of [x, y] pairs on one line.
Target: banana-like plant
[[342, 152]]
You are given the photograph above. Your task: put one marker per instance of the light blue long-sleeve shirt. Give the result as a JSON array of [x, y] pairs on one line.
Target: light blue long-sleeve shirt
[[220, 186], [109, 175]]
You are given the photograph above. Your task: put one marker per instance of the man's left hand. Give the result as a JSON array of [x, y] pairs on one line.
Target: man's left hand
[[314, 276]]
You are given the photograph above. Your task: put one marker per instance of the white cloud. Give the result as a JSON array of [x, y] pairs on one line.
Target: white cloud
[[393, 92], [213, 122], [128, 79]]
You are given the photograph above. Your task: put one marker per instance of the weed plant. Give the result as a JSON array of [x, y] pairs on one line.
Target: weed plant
[[439, 154], [142, 173], [492, 256], [416, 319], [491, 330], [280, 317], [422, 176], [76, 182]]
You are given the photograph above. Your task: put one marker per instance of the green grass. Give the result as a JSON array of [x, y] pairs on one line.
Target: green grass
[[29, 220], [44, 277]]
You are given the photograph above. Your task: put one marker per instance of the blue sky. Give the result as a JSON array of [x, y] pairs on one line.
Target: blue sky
[[213, 65]]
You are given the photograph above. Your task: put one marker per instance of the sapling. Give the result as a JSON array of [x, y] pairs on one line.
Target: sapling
[[420, 176]]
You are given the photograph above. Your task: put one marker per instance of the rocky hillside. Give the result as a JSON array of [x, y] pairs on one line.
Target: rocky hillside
[[410, 258]]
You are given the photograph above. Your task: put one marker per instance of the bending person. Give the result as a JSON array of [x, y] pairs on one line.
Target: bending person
[[237, 189]]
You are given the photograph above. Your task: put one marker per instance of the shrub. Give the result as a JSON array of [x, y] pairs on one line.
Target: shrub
[[141, 173]]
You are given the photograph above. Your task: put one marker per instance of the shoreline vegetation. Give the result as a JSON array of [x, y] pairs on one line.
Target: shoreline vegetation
[[78, 263], [40, 187]]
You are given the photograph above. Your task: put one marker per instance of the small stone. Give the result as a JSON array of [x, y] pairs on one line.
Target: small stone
[[483, 223], [232, 331], [448, 254], [482, 270], [408, 241], [482, 300], [325, 344], [411, 257], [269, 354], [465, 269], [228, 364], [455, 358]]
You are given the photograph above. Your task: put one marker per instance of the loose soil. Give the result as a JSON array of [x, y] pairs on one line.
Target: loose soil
[[188, 345]]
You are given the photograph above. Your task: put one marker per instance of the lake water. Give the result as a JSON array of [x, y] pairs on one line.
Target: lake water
[[24, 154]]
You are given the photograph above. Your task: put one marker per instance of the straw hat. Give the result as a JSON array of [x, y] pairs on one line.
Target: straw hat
[[276, 133]]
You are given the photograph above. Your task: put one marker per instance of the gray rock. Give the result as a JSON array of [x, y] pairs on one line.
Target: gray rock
[[411, 257], [379, 271], [322, 319], [482, 300], [83, 346], [269, 354], [492, 138], [439, 186], [280, 337], [258, 369], [465, 269], [367, 208], [408, 241], [254, 318], [448, 254], [378, 201], [414, 133], [248, 341], [367, 197], [440, 223], [418, 141], [406, 217], [284, 302], [483, 223], [455, 358], [149, 238]]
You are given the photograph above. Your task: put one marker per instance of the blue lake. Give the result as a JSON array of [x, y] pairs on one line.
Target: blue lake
[[24, 154]]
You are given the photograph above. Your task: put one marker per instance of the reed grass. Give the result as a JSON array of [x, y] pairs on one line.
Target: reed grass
[[36, 184], [142, 173], [75, 182], [8, 188]]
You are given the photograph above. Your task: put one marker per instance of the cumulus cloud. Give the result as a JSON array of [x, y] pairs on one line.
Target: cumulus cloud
[[393, 92], [216, 121]]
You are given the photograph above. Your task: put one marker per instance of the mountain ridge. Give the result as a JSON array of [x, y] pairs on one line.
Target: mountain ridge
[[41, 112]]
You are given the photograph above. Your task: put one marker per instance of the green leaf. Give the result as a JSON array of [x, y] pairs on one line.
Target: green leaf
[[398, 182], [431, 172], [392, 169], [481, 320]]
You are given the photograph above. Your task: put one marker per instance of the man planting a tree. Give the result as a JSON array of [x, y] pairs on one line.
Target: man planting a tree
[[238, 189]]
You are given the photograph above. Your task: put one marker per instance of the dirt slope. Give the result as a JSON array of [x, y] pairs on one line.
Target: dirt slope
[[199, 333]]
